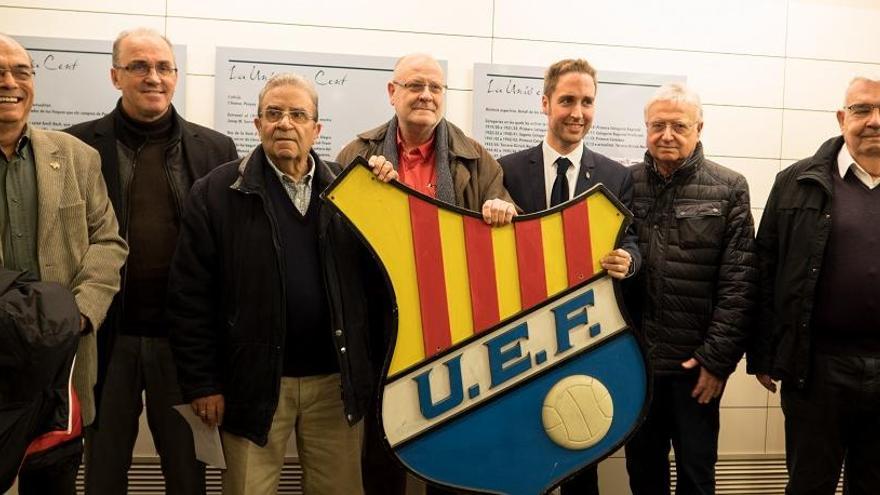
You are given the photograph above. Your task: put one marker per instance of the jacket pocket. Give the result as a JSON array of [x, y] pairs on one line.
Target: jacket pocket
[[250, 375], [700, 223], [75, 231]]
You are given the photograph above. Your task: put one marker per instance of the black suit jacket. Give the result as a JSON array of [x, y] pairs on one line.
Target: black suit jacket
[[524, 180]]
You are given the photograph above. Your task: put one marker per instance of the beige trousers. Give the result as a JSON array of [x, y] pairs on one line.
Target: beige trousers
[[329, 449]]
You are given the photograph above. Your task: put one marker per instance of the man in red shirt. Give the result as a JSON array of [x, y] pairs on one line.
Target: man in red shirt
[[430, 154], [436, 158]]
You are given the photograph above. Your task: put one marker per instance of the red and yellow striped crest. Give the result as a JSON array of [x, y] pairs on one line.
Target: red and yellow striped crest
[[455, 277]]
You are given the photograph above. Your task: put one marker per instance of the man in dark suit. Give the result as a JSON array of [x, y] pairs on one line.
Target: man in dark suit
[[150, 157], [560, 168]]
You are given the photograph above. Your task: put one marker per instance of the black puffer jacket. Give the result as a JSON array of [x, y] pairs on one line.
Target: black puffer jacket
[[791, 246], [695, 292], [226, 301]]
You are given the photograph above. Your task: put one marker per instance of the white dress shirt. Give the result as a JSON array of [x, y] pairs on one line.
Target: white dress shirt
[[550, 157]]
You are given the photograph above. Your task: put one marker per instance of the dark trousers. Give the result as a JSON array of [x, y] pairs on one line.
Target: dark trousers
[[835, 418], [137, 365], [692, 428], [53, 471], [382, 474], [584, 483]]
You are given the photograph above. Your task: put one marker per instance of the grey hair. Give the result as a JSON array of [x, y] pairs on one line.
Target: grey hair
[[289, 79], [678, 93], [141, 31], [856, 80]]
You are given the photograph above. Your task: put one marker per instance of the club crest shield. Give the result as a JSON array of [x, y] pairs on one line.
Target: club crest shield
[[513, 366]]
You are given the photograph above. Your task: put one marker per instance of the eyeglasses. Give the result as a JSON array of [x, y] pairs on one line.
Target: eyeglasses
[[297, 115], [678, 128], [862, 110], [418, 87], [20, 74], [141, 69]]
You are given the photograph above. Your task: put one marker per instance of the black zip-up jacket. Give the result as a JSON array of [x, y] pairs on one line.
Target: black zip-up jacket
[[193, 151], [227, 297], [694, 295], [791, 244]]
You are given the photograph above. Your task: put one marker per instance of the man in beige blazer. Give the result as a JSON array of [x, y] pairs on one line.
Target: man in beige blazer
[[57, 223]]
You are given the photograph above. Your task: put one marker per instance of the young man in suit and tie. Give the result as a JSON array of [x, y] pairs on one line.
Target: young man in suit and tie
[[562, 167]]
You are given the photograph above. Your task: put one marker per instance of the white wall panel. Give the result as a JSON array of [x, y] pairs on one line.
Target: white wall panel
[[741, 131], [613, 477], [742, 390], [459, 17], [203, 36], [200, 100], [745, 26], [804, 131], [743, 430], [759, 172], [81, 25], [821, 85], [757, 213], [144, 7], [775, 431], [720, 79], [459, 108], [834, 30]]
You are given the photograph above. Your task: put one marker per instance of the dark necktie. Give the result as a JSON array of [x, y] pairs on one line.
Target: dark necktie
[[559, 193]]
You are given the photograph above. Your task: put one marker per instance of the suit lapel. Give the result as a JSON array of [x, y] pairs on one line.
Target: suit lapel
[[534, 181], [50, 168], [585, 174]]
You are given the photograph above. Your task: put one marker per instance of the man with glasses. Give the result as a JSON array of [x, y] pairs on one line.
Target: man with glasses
[[692, 299], [436, 158], [150, 156], [431, 154], [268, 306], [562, 167], [818, 321], [57, 223]]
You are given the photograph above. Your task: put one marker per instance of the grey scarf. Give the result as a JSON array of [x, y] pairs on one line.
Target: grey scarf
[[445, 191]]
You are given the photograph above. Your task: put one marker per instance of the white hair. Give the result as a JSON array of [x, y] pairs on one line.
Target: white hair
[[678, 93], [856, 80]]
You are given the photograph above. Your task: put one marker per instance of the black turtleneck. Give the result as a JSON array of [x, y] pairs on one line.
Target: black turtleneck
[[152, 225]]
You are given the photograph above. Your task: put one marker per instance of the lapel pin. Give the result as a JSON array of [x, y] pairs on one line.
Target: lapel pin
[[55, 165]]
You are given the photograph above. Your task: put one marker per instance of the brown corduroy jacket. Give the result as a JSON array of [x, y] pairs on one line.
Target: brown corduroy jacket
[[78, 242]]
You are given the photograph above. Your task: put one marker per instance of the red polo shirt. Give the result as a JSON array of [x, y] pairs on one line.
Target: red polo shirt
[[417, 168]]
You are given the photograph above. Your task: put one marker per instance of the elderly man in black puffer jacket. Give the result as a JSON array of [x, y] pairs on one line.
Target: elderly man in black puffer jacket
[[693, 296]]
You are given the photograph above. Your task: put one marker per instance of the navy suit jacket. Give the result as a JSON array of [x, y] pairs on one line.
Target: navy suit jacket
[[524, 180]]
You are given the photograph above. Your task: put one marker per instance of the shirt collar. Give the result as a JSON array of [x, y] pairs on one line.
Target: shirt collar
[[845, 162], [21, 145], [306, 179], [551, 155], [424, 150]]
